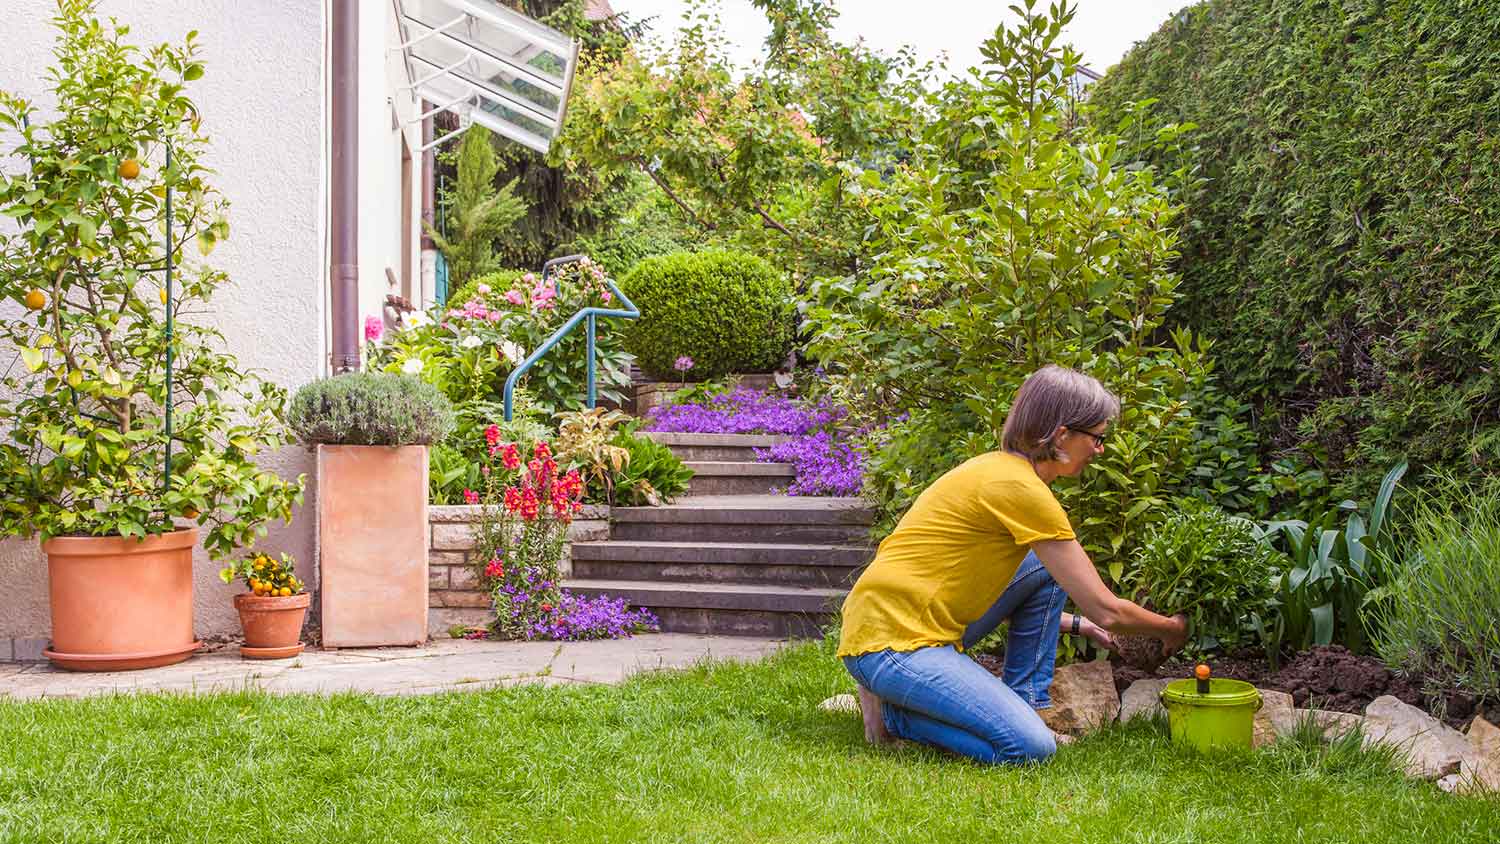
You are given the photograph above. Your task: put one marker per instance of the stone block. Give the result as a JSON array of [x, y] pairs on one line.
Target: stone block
[[844, 703], [447, 558], [462, 577], [455, 598], [1432, 749], [452, 536], [7, 650], [1083, 698], [1333, 724], [439, 619], [1480, 771], [1273, 708], [591, 530], [1143, 698], [437, 577]]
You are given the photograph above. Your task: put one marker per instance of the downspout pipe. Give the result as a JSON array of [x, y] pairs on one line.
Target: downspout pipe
[[343, 188]]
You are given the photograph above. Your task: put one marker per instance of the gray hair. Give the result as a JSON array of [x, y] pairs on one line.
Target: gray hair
[[1055, 396]]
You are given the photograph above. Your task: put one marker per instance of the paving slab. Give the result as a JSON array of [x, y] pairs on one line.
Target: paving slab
[[439, 666]]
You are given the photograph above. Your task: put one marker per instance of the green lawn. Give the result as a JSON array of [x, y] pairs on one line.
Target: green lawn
[[722, 753]]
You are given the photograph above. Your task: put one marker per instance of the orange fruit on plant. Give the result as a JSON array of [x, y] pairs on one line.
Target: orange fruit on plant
[[36, 300], [129, 169], [190, 513], [284, 592]]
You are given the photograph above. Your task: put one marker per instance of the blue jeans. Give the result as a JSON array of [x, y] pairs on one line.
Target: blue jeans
[[941, 697]]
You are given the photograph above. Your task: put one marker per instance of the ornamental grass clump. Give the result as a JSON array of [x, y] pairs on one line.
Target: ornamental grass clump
[[364, 408], [1440, 619], [1205, 564]]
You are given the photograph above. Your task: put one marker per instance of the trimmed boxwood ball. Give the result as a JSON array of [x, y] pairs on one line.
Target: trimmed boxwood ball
[[731, 312]]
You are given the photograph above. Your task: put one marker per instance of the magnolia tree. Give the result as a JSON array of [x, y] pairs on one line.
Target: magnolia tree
[[94, 438]]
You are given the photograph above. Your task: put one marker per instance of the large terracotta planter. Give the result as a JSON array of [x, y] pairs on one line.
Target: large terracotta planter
[[272, 625], [372, 544], [119, 603]]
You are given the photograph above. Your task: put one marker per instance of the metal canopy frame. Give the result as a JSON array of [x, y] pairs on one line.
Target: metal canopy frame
[[488, 65]]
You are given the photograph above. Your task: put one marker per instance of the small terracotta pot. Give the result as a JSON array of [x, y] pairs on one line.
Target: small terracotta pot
[[120, 603], [272, 625]]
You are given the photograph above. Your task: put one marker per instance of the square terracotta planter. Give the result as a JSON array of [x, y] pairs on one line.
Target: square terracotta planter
[[372, 544]]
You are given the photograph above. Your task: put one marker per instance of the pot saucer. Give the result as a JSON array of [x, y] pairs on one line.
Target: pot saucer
[[285, 652]]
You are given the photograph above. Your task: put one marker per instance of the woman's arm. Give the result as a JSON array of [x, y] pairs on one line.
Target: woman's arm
[[1071, 567], [1088, 630]]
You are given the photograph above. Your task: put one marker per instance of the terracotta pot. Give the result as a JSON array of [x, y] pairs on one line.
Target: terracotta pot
[[273, 625], [372, 545], [120, 603]]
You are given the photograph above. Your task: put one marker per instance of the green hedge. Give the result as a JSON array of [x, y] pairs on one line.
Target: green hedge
[[728, 311], [1342, 252]]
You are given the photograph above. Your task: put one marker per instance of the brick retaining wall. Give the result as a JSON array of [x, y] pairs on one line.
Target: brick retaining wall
[[453, 596]]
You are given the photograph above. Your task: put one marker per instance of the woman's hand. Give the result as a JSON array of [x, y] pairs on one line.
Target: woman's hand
[[1096, 634], [1173, 641]]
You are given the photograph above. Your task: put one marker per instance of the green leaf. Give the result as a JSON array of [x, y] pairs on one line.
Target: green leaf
[[33, 358]]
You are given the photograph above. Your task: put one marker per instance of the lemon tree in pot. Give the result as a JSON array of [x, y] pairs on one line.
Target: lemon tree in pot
[[125, 430], [272, 612]]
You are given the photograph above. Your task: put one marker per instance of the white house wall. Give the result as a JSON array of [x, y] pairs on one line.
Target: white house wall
[[262, 101]]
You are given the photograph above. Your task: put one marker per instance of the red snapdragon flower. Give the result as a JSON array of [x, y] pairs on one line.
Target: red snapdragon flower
[[492, 435], [495, 568], [510, 456], [471, 497]]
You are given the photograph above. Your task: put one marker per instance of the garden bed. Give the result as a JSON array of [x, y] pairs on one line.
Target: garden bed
[[1327, 677]]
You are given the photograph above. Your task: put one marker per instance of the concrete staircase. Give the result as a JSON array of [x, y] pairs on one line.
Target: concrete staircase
[[730, 557]]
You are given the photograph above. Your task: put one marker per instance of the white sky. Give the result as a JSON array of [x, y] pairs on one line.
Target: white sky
[[1103, 29]]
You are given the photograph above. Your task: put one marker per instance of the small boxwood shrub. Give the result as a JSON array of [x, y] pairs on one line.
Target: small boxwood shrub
[[728, 311], [1210, 566], [370, 408]]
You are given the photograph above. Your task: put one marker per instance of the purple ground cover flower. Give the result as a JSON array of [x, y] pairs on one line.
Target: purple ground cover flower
[[823, 465], [743, 411], [578, 618]]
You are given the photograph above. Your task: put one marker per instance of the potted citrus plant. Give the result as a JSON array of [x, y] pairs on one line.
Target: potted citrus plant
[[371, 432], [272, 612], [125, 432]]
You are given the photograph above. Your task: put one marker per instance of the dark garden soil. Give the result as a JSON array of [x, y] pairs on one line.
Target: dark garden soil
[[1328, 677]]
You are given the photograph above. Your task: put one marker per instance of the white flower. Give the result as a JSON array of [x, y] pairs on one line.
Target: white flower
[[470, 342], [512, 352], [415, 319], [413, 366]]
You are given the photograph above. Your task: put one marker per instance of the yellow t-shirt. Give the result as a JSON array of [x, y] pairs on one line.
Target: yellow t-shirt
[[951, 556]]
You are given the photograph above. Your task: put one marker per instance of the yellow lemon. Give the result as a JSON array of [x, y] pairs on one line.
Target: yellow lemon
[[36, 300], [129, 169]]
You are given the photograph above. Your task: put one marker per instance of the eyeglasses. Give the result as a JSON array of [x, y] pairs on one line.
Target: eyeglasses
[[1098, 438]]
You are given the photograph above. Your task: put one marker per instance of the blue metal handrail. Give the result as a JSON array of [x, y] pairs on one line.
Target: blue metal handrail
[[589, 314]]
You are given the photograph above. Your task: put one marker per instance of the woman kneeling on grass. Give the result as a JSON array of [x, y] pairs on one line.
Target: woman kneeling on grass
[[939, 584]]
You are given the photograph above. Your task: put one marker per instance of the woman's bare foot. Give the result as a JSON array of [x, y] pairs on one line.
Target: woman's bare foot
[[869, 709]]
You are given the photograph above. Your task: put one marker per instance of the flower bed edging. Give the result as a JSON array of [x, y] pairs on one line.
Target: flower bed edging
[[454, 594]]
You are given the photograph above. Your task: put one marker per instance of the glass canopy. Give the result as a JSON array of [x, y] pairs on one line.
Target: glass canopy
[[490, 65]]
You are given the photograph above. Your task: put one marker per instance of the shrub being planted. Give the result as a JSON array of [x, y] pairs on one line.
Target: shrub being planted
[[730, 311], [1205, 564]]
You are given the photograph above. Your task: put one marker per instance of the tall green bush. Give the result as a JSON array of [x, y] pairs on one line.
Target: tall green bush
[[479, 212], [1012, 239], [1342, 254], [728, 311]]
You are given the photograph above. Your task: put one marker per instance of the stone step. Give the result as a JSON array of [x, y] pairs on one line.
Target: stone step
[[747, 518], [739, 448], [721, 562], [724, 609], [728, 477]]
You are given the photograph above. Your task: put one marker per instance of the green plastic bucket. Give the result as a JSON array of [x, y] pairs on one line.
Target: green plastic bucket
[[1222, 718]]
